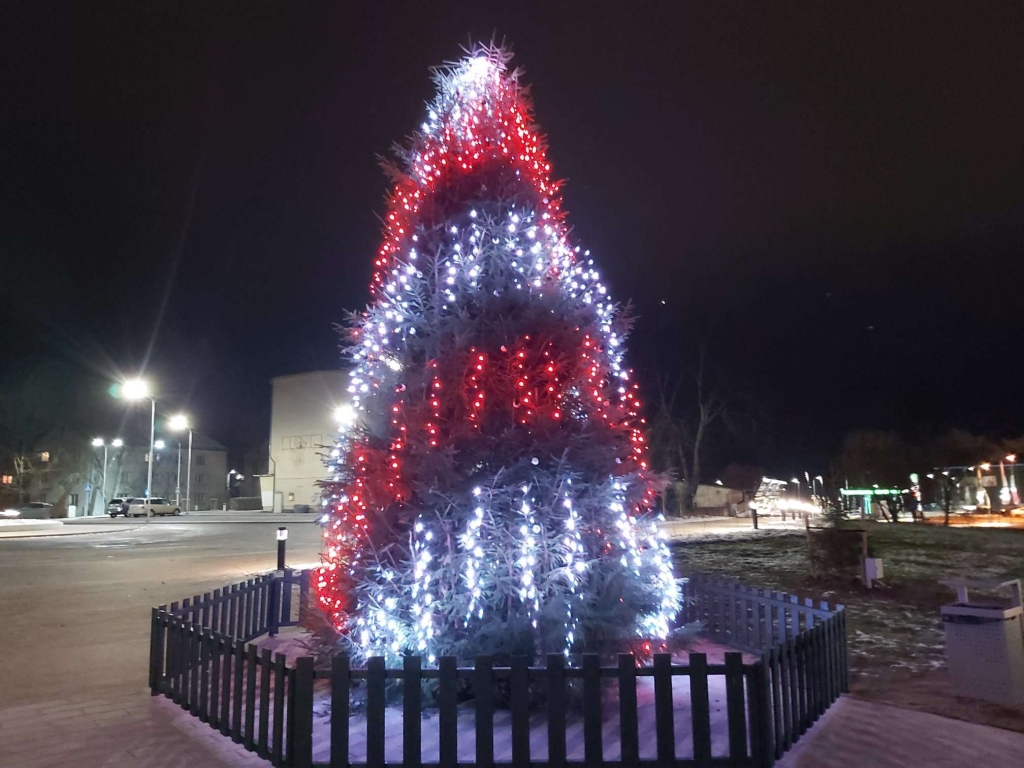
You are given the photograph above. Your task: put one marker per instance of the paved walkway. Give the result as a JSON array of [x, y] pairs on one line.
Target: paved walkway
[[147, 732], [856, 734], [132, 730]]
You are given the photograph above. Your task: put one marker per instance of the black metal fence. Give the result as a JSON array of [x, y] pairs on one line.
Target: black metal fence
[[200, 659]]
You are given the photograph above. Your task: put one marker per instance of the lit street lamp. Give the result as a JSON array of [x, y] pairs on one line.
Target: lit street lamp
[[227, 498], [138, 389], [797, 481], [179, 423]]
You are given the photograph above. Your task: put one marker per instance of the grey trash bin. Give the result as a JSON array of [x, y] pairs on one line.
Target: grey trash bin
[[985, 642]]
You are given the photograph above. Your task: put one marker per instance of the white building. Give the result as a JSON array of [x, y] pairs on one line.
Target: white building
[[302, 429]]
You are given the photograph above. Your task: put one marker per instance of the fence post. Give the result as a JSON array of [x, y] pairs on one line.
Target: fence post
[[761, 720], [411, 699], [274, 617], [156, 653], [302, 715], [627, 709], [663, 721]]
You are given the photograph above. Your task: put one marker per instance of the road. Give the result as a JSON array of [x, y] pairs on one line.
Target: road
[[74, 610]]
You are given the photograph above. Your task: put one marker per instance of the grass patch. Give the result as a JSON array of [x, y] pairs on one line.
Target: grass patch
[[895, 631]]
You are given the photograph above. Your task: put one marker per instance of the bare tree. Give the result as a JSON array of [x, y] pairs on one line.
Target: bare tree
[[687, 410]]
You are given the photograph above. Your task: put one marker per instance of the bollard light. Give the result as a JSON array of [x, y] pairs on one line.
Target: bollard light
[[282, 538]]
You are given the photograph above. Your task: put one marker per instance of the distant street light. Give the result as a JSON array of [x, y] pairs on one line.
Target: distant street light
[[117, 442], [179, 423], [159, 445], [345, 415], [138, 389], [797, 481]]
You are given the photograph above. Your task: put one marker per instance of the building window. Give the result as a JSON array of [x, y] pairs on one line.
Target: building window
[[8, 479], [44, 456], [200, 460], [200, 479]]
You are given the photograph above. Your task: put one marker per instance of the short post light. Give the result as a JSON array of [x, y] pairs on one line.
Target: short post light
[[282, 542]]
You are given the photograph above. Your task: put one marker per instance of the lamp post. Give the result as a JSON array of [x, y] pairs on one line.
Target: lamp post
[[227, 498], [797, 481], [178, 423], [138, 389]]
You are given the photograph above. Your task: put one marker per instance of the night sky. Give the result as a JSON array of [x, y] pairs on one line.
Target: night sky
[[828, 197]]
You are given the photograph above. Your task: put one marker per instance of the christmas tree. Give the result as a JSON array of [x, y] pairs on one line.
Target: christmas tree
[[489, 491]]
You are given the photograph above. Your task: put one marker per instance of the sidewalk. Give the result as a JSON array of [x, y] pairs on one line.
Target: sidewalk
[[57, 528], [151, 732], [856, 733], [130, 730]]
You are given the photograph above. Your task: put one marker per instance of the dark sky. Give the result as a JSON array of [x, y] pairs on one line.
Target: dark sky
[[830, 199]]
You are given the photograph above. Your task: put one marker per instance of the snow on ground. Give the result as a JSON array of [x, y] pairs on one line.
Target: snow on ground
[[292, 645]]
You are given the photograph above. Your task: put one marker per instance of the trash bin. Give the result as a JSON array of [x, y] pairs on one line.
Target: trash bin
[[985, 642]]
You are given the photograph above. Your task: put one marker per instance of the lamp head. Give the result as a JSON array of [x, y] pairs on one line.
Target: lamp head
[[97, 442], [178, 423], [135, 389]]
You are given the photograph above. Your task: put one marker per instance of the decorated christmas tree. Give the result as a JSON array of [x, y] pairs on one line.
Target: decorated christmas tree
[[490, 490]]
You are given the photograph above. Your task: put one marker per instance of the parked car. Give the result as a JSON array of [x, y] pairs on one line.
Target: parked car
[[35, 510], [119, 506], [156, 506]]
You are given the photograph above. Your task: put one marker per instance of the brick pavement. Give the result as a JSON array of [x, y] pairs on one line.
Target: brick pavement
[[128, 730], [863, 734], [147, 732]]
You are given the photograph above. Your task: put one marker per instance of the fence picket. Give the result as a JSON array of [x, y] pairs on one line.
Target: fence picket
[[411, 698], [194, 638], [663, 717], [519, 695], [236, 696], [483, 699], [593, 751], [786, 663], [286, 598], [263, 743], [556, 709], [215, 658], [250, 698], [156, 651], [375, 712], [280, 680], [341, 676], [205, 642], [735, 705], [447, 706], [628, 726], [302, 714], [765, 744], [700, 708], [780, 731], [227, 654]]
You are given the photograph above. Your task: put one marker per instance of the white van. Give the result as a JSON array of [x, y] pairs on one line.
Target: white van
[[154, 506]]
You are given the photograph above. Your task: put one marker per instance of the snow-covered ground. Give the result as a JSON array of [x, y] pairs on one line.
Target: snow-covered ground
[[538, 720]]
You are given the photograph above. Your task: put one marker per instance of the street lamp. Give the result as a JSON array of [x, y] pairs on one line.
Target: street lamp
[[179, 423], [821, 483], [138, 389], [345, 415], [797, 481], [228, 484]]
